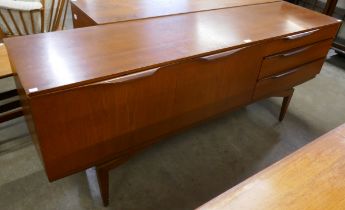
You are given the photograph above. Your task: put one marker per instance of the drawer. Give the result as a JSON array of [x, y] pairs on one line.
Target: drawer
[[300, 39], [290, 59], [124, 112], [269, 86]]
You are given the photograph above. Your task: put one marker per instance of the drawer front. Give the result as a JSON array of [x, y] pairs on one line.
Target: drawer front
[[80, 19], [300, 39], [96, 122], [296, 57], [269, 86]]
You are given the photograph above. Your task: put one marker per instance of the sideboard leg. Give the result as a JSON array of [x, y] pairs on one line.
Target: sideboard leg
[[103, 182], [286, 101], [103, 176]]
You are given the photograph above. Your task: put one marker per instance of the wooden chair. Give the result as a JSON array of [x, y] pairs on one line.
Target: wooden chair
[[24, 17], [20, 18]]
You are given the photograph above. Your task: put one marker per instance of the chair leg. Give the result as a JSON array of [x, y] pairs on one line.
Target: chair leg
[[286, 101]]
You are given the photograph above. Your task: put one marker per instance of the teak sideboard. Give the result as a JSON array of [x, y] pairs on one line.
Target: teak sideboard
[[94, 96]]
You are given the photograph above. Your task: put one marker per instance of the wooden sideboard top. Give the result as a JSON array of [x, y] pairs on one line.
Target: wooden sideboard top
[[311, 178], [109, 11], [61, 60]]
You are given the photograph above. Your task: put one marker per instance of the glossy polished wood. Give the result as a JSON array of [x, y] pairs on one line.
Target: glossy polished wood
[[114, 89], [283, 61], [311, 178], [110, 11], [125, 116], [75, 57], [80, 19], [287, 79]]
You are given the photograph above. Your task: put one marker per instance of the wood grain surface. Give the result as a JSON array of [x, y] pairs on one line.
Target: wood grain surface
[[98, 122], [110, 11], [57, 61]]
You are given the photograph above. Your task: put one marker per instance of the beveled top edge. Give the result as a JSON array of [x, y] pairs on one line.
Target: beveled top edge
[[112, 11]]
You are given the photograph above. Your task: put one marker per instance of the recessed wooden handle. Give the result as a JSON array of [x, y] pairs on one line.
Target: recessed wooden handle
[[300, 35], [129, 77], [295, 52], [222, 54], [291, 53], [284, 74]]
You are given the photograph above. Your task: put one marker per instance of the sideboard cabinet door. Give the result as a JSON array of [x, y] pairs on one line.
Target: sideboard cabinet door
[[80, 127]]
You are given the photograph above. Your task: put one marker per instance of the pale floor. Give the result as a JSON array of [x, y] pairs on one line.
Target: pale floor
[[184, 171]]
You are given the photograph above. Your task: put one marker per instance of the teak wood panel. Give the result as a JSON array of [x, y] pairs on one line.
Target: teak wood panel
[[288, 79], [110, 11], [78, 57], [81, 119], [300, 39], [80, 19], [130, 113], [287, 60], [311, 178]]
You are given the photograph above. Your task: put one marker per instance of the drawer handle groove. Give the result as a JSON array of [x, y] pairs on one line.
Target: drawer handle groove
[[300, 35], [284, 74], [129, 77], [222, 54], [290, 53]]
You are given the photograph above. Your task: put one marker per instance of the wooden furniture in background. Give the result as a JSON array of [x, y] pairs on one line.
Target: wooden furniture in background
[[311, 178], [12, 109], [90, 12], [141, 80], [20, 18], [330, 7]]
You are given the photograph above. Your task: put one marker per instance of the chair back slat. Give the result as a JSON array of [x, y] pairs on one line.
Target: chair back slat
[[65, 15], [51, 17], [32, 22], [4, 20], [58, 14], [14, 22], [23, 22]]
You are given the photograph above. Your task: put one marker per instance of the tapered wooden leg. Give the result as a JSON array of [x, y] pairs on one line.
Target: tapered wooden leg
[[286, 101], [103, 176], [285, 105], [103, 182]]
